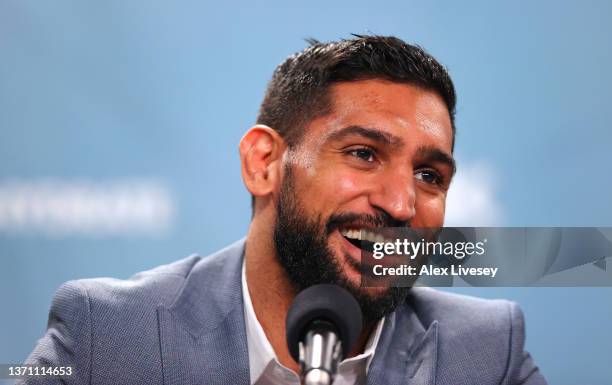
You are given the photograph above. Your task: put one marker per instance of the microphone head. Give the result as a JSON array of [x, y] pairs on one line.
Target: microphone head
[[324, 302]]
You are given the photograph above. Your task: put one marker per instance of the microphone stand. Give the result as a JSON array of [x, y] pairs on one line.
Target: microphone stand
[[320, 353]]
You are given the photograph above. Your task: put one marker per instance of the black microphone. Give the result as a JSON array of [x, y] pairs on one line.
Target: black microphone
[[323, 324]]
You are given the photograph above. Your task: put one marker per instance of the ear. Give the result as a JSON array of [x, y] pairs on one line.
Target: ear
[[261, 150]]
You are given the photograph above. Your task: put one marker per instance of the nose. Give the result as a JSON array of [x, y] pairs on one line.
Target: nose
[[396, 196]]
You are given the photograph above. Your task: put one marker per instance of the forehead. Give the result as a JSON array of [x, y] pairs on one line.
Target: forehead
[[404, 110]]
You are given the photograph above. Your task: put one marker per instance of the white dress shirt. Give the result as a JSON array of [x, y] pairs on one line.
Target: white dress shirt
[[265, 368]]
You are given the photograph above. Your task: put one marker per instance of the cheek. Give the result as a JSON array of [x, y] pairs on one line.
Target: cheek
[[335, 186], [429, 210], [347, 184], [349, 187]]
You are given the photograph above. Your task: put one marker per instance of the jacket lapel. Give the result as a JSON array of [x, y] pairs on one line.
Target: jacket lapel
[[202, 334], [407, 352]]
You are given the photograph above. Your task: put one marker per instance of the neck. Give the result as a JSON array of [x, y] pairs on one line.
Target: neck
[[272, 293]]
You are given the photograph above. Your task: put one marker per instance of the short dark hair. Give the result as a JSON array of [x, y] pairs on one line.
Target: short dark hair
[[298, 91]]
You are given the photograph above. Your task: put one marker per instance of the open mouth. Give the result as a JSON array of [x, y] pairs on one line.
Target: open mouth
[[363, 239]]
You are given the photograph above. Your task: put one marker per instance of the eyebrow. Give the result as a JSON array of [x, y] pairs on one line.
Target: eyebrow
[[370, 133]]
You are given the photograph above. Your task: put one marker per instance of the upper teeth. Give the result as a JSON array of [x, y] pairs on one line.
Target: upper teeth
[[362, 235]]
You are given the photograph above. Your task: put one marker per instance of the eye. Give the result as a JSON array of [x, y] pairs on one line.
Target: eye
[[429, 176], [363, 153]]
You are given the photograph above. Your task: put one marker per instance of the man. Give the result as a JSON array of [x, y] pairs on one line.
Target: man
[[351, 136]]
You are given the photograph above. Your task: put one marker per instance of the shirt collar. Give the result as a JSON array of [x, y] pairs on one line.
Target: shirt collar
[[261, 353]]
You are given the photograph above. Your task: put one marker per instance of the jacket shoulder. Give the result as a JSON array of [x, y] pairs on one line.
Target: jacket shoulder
[[153, 287], [459, 312], [91, 317], [113, 301]]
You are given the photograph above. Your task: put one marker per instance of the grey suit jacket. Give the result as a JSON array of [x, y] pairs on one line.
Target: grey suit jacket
[[183, 324]]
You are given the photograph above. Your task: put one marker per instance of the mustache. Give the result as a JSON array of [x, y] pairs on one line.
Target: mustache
[[382, 219]]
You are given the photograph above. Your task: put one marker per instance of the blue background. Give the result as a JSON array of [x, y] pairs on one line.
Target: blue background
[[121, 89]]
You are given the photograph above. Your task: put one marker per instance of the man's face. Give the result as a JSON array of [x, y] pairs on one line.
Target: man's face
[[381, 158]]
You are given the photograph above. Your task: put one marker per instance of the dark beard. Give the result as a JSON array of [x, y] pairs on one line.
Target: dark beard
[[302, 250]]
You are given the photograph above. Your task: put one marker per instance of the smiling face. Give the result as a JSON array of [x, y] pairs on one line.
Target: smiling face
[[381, 158]]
